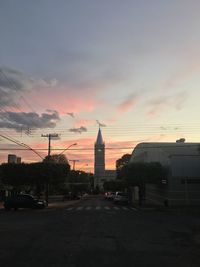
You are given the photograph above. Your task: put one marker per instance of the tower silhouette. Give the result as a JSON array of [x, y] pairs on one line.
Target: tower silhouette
[[99, 161]]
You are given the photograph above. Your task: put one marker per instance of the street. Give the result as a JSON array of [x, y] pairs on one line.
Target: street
[[95, 232]]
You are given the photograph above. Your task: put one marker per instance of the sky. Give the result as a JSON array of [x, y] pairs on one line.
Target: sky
[[68, 66]]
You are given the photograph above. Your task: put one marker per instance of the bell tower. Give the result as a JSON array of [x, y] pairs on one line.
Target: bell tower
[[99, 161]]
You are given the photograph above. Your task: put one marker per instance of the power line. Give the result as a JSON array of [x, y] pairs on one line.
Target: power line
[[108, 148], [21, 144]]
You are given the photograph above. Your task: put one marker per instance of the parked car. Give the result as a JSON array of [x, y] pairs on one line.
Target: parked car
[[121, 197], [23, 201]]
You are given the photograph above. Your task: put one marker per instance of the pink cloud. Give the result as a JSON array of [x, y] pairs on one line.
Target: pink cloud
[[127, 104], [66, 99]]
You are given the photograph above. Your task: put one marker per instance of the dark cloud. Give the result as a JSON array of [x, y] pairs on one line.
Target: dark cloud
[[78, 130], [13, 83], [22, 120], [71, 114]]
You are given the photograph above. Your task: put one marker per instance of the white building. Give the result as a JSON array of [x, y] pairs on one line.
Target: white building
[[100, 174], [183, 160]]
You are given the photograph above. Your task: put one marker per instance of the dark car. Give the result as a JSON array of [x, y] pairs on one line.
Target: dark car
[[23, 201]]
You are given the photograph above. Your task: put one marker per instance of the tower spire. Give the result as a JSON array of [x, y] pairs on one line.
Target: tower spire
[[99, 140]]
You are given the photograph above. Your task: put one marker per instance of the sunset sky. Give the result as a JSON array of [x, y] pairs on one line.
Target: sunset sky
[[133, 66]]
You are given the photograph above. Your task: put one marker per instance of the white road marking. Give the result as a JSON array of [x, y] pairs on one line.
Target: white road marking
[[70, 208], [100, 207]]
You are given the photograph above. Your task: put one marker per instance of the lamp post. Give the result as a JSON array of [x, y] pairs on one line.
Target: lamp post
[[67, 148], [30, 148]]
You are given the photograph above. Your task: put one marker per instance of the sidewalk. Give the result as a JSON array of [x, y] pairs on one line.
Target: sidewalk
[[148, 204]]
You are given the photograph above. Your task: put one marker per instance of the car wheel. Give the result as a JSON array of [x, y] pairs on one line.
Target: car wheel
[[15, 208]]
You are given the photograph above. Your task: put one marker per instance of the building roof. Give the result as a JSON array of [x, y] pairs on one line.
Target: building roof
[[99, 140], [162, 152]]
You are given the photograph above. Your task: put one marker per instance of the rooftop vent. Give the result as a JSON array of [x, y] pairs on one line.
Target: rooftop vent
[[181, 140]]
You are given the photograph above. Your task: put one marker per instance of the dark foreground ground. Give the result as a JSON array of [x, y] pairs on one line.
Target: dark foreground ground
[[95, 232]]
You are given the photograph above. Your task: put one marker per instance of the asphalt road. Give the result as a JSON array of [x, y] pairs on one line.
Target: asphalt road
[[95, 232]]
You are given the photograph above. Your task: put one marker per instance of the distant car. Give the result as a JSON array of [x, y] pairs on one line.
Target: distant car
[[109, 195], [121, 197], [23, 201]]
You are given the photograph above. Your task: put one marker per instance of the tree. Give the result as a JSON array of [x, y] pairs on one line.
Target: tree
[[79, 181], [120, 163], [140, 173], [34, 176], [56, 158], [16, 176]]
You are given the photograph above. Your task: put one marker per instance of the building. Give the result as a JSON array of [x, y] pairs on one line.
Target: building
[[13, 159], [182, 185], [100, 174], [19, 160]]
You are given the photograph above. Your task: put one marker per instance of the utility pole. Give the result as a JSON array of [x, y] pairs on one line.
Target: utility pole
[[74, 162], [49, 136]]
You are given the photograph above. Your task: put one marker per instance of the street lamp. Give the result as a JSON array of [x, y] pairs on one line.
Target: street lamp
[[67, 148], [30, 148]]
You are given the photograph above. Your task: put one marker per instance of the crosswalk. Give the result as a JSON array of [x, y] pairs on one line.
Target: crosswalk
[[100, 208]]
